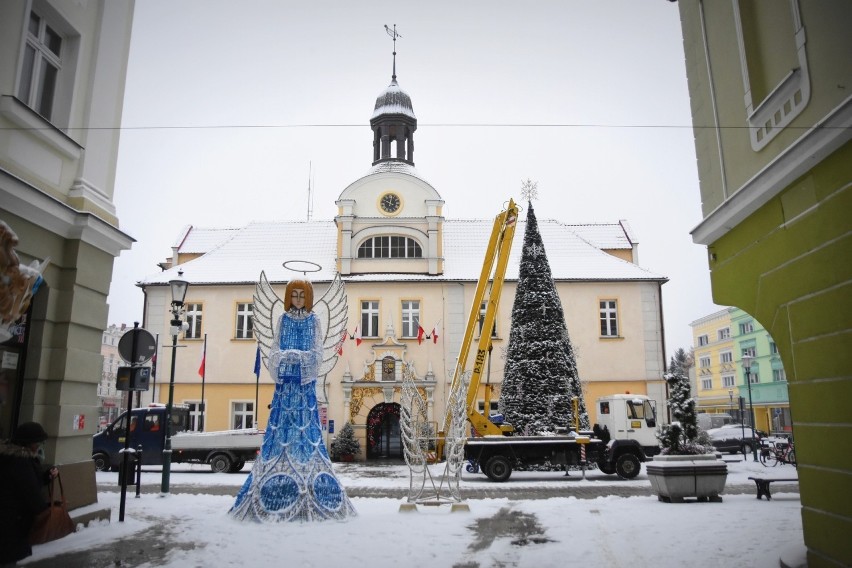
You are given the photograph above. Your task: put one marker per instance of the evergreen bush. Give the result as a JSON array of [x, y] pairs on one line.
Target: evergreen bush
[[345, 443]]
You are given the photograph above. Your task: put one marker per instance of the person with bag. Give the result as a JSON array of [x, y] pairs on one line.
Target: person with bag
[[22, 480]]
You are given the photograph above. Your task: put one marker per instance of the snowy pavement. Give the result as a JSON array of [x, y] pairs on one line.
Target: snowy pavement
[[534, 519]]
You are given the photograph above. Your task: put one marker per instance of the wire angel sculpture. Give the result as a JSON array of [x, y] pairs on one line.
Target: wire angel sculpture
[[293, 478], [416, 437]]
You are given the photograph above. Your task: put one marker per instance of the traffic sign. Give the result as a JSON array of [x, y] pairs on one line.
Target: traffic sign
[[138, 341]]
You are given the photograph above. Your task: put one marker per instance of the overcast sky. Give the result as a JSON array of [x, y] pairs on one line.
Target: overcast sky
[[229, 106]]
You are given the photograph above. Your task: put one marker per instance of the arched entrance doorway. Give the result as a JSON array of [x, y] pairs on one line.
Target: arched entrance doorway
[[383, 435]]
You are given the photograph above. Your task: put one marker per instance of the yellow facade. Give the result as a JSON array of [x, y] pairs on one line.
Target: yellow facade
[[715, 369]]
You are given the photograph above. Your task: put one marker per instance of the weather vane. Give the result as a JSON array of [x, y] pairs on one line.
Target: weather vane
[[394, 35]]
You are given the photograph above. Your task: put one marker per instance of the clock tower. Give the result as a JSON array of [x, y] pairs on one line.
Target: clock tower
[[390, 220]]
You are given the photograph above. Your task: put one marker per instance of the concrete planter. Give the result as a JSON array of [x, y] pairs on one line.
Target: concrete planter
[[675, 477]]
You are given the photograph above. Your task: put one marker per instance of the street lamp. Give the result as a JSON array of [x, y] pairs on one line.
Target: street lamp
[[747, 359], [731, 396], [179, 287]]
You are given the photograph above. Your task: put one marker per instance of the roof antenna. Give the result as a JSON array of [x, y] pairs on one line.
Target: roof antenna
[[394, 35], [310, 194]]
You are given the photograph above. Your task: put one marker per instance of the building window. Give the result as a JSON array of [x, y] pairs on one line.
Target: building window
[[726, 357], [494, 407], [746, 327], [243, 413], [196, 419], [481, 322], [724, 333], [193, 319], [754, 378], [244, 321], [773, 349], [728, 381], [151, 423], [410, 318], [706, 384], [41, 66], [703, 340], [609, 318], [370, 318], [749, 351], [390, 247], [704, 362], [778, 375]]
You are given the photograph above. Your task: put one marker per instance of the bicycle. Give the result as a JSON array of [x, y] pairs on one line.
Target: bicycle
[[773, 453]]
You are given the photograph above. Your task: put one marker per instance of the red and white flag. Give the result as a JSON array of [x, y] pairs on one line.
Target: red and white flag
[[435, 332], [420, 333], [357, 336], [340, 344], [201, 367]]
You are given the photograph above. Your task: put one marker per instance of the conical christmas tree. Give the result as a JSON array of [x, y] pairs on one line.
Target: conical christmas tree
[[541, 373]]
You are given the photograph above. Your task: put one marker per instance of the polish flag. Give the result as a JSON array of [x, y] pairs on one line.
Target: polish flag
[[357, 336], [420, 333], [435, 333]]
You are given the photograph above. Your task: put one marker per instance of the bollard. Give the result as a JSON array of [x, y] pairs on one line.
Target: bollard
[[138, 470]]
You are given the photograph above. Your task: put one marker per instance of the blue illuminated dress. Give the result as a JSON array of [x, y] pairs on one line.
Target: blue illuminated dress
[[293, 479]]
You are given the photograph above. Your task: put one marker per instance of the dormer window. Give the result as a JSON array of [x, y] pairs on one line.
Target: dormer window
[[390, 247]]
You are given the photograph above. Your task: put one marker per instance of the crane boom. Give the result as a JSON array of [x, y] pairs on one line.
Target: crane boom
[[493, 273]]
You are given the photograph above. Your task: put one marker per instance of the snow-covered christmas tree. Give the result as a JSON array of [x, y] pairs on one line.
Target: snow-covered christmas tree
[[680, 437], [541, 372]]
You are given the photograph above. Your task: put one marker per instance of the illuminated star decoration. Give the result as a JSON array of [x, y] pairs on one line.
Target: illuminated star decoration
[[529, 189]]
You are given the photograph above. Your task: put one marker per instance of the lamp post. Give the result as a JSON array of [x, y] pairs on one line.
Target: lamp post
[[179, 287], [747, 359], [731, 397]]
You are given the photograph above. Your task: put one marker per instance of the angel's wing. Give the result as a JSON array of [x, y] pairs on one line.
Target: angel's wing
[[268, 308], [332, 312]]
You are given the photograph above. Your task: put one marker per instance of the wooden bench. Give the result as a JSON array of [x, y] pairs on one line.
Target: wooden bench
[[763, 483]]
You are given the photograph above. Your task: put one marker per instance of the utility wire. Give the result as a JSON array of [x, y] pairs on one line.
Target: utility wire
[[431, 125]]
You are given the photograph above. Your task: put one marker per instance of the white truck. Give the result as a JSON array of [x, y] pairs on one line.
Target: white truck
[[225, 451], [623, 438]]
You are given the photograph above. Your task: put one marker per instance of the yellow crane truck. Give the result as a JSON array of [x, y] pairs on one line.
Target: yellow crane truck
[[623, 438]]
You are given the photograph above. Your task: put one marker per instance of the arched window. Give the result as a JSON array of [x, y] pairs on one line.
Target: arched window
[[390, 247]]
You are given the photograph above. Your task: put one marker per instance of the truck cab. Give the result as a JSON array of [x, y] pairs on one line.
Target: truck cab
[[630, 417], [147, 429]]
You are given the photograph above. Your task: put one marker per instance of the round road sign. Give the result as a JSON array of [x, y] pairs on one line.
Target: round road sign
[[137, 341]]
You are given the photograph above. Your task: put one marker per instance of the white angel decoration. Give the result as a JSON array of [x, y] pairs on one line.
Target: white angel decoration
[[293, 478]]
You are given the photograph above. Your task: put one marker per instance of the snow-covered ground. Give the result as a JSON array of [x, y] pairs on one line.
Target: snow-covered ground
[[604, 531]]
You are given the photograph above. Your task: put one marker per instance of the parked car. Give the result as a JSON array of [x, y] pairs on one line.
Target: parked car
[[729, 438], [708, 421], [760, 433]]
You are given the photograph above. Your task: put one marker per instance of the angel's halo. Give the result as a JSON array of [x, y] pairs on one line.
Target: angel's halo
[[303, 266]]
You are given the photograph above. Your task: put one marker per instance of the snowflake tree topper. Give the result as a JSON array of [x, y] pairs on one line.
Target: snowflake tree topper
[[529, 189]]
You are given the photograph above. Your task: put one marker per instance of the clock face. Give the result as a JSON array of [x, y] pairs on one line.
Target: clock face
[[390, 203]]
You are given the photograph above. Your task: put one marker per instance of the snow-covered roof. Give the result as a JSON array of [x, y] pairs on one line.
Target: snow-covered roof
[[199, 240], [393, 100], [264, 246], [393, 167], [606, 236]]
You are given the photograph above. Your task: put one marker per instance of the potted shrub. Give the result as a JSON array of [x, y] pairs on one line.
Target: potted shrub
[[345, 445], [687, 466]]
